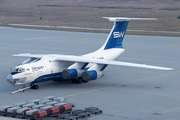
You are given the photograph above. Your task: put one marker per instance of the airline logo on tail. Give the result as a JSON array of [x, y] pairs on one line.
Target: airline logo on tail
[[118, 34]]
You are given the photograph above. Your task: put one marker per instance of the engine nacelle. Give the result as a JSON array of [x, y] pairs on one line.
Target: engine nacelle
[[92, 75], [71, 73]]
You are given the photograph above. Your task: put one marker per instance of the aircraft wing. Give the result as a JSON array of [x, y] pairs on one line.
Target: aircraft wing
[[103, 61], [29, 55]]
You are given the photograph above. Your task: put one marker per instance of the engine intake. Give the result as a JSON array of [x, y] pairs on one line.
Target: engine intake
[[71, 73], [92, 75]]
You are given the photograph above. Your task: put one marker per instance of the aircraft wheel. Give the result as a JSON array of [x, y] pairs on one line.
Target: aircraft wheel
[[79, 81], [35, 87]]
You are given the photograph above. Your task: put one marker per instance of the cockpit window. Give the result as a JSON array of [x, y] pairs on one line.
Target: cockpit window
[[19, 70]]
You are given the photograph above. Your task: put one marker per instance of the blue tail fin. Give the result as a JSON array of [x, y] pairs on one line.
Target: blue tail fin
[[117, 34], [118, 31]]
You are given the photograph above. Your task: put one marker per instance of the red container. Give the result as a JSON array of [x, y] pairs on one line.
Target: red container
[[54, 110], [41, 114], [26, 110], [66, 107]]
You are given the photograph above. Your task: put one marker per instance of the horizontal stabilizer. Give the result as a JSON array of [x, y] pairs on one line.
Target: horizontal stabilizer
[[120, 19]]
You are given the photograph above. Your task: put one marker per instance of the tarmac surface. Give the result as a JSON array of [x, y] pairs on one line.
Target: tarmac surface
[[124, 93]]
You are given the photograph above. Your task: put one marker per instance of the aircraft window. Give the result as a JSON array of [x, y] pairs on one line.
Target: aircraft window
[[19, 70], [35, 60]]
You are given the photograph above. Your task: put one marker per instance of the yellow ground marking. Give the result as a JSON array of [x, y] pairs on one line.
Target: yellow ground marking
[[123, 84], [173, 44], [82, 38], [176, 109]]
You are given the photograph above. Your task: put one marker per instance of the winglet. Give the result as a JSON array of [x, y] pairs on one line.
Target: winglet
[[120, 19]]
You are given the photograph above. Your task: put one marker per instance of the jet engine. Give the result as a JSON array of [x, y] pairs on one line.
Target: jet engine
[[72, 73], [92, 75]]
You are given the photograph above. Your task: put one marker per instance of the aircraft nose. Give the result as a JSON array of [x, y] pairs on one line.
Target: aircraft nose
[[9, 78]]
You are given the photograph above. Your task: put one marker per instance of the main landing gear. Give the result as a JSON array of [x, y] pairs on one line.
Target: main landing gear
[[32, 86], [77, 80]]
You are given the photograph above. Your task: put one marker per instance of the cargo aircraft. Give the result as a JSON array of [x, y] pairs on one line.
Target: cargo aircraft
[[44, 67]]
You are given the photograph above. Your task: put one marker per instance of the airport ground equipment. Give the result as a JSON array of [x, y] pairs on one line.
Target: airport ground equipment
[[49, 98], [35, 101], [12, 112], [51, 103], [46, 108], [20, 104], [62, 116], [66, 108], [72, 104], [31, 114], [93, 110], [58, 111], [80, 113], [53, 112], [41, 114], [21, 113], [60, 99], [29, 105], [59, 105], [37, 107], [3, 110], [44, 102], [20, 90], [71, 117], [178, 17]]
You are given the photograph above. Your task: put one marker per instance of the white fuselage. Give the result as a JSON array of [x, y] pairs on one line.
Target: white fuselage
[[46, 69]]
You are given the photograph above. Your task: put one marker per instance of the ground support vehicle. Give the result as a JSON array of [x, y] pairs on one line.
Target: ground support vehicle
[[71, 117], [35, 101], [72, 104], [41, 114], [49, 98], [12, 112], [21, 113], [43, 102], [60, 99], [37, 107], [20, 104], [53, 112], [96, 111], [80, 113], [59, 105], [66, 108], [51, 103], [29, 105], [93, 110], [62, 116], [3, 110], [46, 108], [31, 114]]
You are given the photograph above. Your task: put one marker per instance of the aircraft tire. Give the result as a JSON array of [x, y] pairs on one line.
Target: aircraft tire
[[35, 87], [79, 81], [72, 81]]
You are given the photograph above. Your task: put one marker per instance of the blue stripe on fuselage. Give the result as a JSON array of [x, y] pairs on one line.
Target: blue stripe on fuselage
[[48, 77]]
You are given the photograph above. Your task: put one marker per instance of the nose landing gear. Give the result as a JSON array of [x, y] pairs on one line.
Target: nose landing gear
[[32, 86]]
